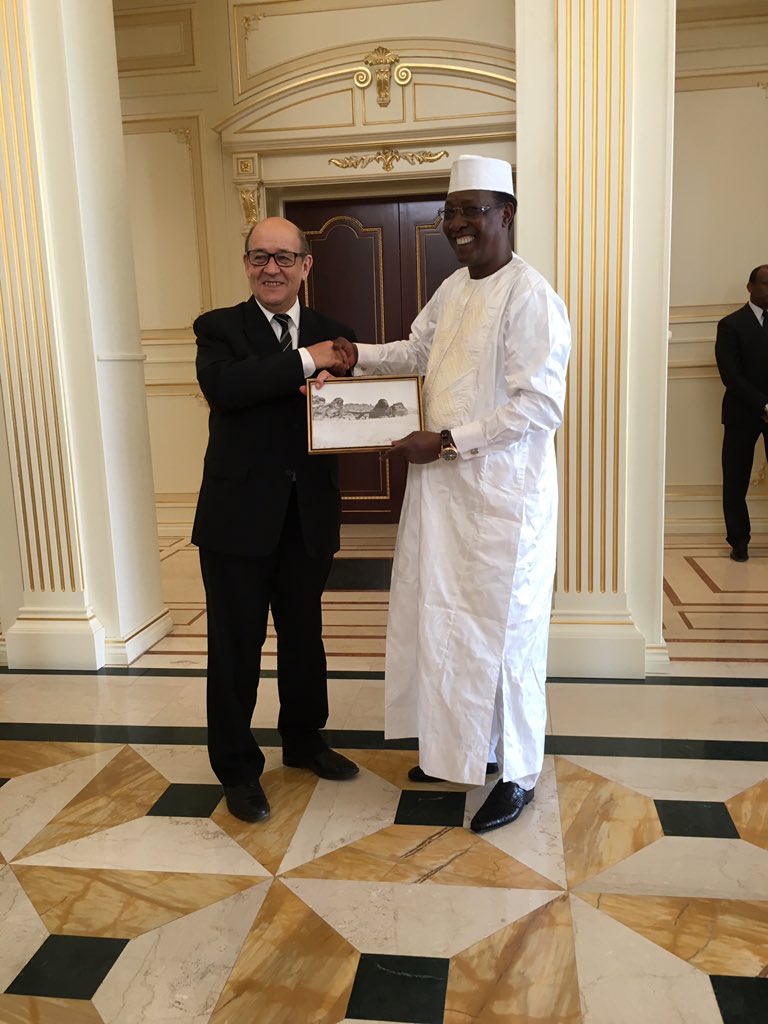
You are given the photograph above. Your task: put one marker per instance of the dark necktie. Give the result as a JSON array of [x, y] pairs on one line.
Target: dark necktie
[[285, 330], [765, 320]]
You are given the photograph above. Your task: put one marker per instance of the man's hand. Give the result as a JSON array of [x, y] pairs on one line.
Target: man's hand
[[327, 356], [419, 446], [348, 348], [318, 381]]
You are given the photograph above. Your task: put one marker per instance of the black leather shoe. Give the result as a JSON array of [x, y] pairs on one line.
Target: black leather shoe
[[416, 774], [503, 805], [327, 764], [247, 801], [739, 553]]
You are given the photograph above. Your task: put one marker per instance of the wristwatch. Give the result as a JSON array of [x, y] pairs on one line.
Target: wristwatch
[[448, 450]]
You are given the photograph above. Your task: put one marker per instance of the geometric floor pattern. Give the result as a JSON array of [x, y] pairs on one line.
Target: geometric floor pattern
[[632, 890], [128, 893]]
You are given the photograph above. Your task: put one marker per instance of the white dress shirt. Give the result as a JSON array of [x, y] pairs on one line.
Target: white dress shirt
[[294, 313]]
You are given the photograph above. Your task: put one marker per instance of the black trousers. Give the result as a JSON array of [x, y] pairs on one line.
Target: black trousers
[[239, 592], [738, 454]]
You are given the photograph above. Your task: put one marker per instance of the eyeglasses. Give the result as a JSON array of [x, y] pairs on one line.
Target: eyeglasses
[[468, 212], [260, 258]]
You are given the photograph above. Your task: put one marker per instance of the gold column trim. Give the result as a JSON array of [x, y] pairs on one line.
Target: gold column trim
[[388, 158], [382, 60]]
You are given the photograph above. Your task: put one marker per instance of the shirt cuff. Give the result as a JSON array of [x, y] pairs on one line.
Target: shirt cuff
[[367, 355], [307, 363], [469, 440]]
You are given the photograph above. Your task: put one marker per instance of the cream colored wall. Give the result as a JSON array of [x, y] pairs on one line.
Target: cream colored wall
[[719, 233], [230, 108]]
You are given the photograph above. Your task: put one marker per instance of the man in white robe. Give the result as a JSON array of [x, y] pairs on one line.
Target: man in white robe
[[475, 557]]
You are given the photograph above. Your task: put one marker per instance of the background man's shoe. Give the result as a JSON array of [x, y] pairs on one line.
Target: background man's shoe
[[503, 805], [415, 774], [327, 764], [247, 801], [739, 553]]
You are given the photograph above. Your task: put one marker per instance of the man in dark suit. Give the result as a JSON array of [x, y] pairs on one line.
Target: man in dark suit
[[267, 522], [741, 350]]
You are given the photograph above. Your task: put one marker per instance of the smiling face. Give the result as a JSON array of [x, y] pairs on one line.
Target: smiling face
[[276, 287], [480, 242]]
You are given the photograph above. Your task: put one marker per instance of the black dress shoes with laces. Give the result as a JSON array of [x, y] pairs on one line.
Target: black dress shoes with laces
[[327, 764], [247, 801], [503, 805], [739, 553], [416, 774]]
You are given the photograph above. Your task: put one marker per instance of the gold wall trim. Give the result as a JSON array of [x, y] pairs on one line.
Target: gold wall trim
[[188, 130], [30, 381], [184, 58], [388, 158]]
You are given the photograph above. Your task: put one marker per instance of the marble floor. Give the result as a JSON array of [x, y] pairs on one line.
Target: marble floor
[[633, 890]]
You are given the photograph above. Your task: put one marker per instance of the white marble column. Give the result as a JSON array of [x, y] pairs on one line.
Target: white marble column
[[79, 568], [594, 156]]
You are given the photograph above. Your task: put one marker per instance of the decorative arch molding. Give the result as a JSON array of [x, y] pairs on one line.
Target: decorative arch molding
[[398, 87]]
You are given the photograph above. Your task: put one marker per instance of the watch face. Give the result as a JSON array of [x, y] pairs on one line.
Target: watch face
[[449, 454]]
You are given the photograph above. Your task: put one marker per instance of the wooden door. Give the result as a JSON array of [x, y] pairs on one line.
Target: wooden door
[[376, 263]]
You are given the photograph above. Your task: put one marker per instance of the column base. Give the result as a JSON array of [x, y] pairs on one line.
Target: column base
[[120, 653], [597, 650], [55, 642]]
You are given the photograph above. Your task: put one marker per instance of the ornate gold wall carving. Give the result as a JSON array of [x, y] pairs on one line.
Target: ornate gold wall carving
[[388, 158]]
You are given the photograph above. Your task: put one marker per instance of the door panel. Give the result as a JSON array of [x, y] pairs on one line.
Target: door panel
[[376, 262]]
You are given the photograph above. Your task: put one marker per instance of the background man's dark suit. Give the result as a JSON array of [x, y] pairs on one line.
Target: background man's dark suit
[[741, 351], [267, 526]]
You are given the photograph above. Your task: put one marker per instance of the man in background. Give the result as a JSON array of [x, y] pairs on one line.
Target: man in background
[[267, 521], [475, 557], [741, 351]]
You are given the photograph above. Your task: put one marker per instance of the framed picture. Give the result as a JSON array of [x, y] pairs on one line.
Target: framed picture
[[362, 414]]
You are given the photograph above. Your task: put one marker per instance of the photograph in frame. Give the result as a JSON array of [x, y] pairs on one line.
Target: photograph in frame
[[362, 414]]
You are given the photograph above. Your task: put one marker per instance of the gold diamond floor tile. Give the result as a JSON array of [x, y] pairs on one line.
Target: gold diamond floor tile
[[749, 811], [424, 853], [717, 936], [288, 791], [122, 791], [17, 757], [121, 904], [603, 822], [523, 973], [39, 1010], [292, 967]]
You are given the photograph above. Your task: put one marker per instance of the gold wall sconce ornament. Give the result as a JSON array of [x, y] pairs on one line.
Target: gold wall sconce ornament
[[388, 158]]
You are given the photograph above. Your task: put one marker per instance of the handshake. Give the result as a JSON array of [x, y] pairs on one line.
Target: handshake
[[337, 357]]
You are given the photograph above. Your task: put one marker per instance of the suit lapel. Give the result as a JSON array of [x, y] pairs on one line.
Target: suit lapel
[[752, 325], [258, 329]]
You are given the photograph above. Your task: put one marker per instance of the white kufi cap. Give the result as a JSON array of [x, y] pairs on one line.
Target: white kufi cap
[[481, 172]]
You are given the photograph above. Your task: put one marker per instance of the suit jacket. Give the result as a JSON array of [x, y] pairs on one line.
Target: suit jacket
[[258, 435], [741, 351]]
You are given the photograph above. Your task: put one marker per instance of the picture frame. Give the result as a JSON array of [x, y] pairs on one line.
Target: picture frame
[[342, 416]]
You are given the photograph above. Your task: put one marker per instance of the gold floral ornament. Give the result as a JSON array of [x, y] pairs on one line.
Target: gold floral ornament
[[388, 158]]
